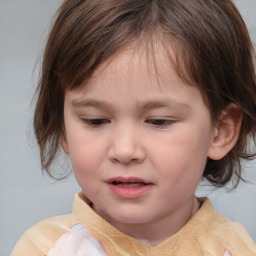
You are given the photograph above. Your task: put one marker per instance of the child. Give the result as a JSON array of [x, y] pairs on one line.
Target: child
[[147, 98]]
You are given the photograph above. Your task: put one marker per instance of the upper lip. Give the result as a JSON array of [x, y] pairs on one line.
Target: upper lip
[[127, 180]]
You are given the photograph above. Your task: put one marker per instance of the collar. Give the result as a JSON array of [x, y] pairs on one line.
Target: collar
[[115, 241]]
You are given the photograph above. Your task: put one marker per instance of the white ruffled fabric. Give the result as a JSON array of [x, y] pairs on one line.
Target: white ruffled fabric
[[77, 242], [227, 253]]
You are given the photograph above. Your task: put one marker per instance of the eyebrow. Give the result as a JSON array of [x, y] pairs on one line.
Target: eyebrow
[[144, 106], [170, 103], [100, 104]]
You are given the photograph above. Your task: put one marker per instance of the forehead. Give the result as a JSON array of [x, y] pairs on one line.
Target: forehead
[[155, 61], [137, 77]]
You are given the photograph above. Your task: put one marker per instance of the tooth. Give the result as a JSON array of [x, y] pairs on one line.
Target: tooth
[[130, 185]]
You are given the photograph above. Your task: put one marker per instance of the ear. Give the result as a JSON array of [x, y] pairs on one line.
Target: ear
[[64, 144], [226, 133]]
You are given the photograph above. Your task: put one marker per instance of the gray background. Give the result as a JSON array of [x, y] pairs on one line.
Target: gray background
[[26, 196]]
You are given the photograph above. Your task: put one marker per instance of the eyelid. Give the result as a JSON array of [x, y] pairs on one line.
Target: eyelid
[[89, 122], [162, 122]]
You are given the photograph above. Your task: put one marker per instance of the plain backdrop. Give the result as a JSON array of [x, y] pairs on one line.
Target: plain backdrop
[[26, 196]]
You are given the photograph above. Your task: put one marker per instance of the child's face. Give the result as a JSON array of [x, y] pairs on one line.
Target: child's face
[[138, 143]]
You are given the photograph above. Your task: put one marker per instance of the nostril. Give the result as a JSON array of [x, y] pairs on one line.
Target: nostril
[[125, 161]]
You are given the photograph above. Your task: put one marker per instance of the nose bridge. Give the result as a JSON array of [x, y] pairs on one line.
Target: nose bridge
[[126, 144]]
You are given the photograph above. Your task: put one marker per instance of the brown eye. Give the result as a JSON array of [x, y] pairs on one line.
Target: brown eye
[[96, 122], [159, 122]]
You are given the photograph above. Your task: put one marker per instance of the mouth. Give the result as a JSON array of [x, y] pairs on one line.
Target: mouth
[[129, 182], [129, 188]]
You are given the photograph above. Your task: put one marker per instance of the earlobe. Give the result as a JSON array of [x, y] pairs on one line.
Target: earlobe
[[64, 144], [226, 133]]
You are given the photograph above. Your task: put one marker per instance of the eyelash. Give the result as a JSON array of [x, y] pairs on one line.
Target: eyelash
[[160, 122], [98, 122]]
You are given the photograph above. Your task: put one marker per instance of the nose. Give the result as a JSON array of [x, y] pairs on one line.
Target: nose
[[126, 147]]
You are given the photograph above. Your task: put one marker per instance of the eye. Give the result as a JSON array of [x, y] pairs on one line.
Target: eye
[[160, 122], [96, 122]]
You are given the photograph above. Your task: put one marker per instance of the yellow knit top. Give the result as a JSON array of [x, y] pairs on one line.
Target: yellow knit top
[[84, 232]]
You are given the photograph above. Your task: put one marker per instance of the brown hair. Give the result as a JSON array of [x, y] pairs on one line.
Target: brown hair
[[214, 52]]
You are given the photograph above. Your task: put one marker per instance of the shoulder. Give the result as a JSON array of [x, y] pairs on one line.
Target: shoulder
[[61, 235], [40, 238], [219, 233]]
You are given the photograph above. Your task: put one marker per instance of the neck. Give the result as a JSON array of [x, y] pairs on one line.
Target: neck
[[157, 231]]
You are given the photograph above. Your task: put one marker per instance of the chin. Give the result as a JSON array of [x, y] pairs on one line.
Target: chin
[[131, 218]]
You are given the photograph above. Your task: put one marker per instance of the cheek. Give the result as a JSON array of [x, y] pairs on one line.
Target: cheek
[[85, 166], [181, 159], [86, 155]]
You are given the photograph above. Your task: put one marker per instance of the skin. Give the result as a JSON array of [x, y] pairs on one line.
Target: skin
[[112, 129]]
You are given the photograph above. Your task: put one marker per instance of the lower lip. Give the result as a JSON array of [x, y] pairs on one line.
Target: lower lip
[[130, 192]]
